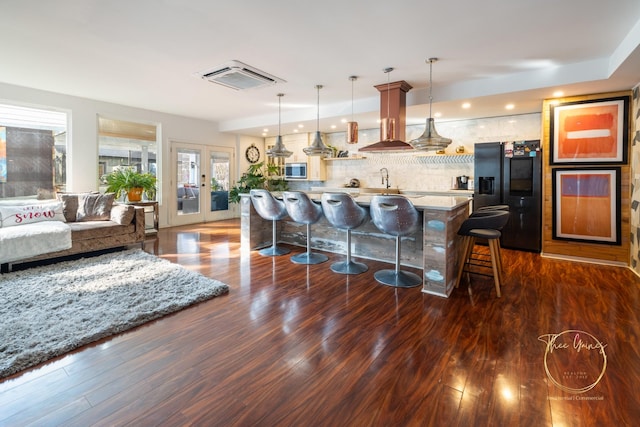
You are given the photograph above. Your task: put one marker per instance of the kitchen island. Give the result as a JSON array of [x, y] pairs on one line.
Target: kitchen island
[[435, 247]]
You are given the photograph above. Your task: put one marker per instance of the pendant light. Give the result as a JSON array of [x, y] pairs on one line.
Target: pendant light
[[352, 126], [317, 147], [279, 150], [430, 140], [388, 124]]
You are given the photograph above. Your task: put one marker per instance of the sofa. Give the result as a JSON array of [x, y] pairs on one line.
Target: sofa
[[71, 224]]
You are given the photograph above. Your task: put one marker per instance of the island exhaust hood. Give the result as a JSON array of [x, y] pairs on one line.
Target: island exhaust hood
[[393, 114]]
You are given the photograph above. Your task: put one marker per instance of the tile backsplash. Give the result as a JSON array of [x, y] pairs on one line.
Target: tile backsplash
[[426, 171]]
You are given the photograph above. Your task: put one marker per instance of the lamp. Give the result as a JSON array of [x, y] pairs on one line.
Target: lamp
[[430, 140], [279, 150], [352, 126], [317, 147]]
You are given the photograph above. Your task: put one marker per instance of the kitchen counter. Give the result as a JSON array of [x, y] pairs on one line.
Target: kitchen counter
[[435, 247], [407, 192]]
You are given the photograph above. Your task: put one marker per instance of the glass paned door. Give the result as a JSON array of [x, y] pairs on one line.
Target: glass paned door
[[220, 179], [202, 179]]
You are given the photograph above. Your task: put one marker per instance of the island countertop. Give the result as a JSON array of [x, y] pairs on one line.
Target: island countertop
[[421, 202]]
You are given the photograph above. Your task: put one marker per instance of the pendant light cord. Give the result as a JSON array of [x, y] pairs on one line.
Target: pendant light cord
[[352, 78], [431, 61], [280, 95], [318, 87]]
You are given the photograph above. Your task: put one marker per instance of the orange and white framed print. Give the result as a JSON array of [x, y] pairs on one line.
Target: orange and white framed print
[[587, 205], [590, 131]]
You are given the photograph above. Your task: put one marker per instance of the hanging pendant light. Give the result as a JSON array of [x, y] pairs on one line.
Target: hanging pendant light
[[279, 150], [430, 140], [317, 147], [352, 126]]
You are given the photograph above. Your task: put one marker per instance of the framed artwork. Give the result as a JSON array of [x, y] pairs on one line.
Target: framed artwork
[[586, 205], [590, 132]]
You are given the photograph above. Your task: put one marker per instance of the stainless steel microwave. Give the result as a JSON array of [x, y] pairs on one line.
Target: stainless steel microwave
[[295, 171]]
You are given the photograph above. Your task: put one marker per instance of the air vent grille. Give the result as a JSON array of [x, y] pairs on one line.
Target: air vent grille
[[239, 76]]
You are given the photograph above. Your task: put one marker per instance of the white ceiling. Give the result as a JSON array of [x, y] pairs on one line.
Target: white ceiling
[[144, 53]]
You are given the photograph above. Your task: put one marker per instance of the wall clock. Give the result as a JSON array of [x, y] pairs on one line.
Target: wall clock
[[252, 154]]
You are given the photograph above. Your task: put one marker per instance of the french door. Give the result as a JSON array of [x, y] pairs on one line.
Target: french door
[[201, 180]]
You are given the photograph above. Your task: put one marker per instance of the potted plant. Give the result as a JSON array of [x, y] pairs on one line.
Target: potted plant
[[259, 175], [129, 181]]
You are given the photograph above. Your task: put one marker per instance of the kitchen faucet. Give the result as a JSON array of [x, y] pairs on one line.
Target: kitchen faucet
[[384, 172]]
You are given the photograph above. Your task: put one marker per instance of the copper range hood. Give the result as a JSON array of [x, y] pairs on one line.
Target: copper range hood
[[393, 106]]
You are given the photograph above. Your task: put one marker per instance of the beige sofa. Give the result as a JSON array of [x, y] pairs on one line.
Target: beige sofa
[[114, 225]]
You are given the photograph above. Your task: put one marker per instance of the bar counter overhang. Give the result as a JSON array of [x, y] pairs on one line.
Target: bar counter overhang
[[435, 247]]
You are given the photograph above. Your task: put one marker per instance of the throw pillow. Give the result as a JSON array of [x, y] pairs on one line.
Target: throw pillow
[[94, 207], [69, 205], [122, 214], [27, 214]]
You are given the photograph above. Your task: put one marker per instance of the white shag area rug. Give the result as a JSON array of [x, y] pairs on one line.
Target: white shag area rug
[[50, 310]]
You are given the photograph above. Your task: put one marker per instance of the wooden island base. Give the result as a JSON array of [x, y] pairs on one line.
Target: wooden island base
[[435, 247]]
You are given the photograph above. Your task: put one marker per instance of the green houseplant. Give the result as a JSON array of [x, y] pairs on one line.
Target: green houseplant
[[131, 182], [259, 175]]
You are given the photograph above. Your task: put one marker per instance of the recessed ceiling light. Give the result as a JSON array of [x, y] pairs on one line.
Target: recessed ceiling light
[[300, 125], [558, 94], [343, 121], [466, 105], [437, 114], [295, 130], [333, 126], [265, 130], [264, 134], [509, 106]]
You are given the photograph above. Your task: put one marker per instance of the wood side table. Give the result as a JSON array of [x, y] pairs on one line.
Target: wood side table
[[154, 209]]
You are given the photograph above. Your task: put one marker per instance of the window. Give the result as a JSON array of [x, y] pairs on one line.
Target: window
[[126, 144], [33, 147]]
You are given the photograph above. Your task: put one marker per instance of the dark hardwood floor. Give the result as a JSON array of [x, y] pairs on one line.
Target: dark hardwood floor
[[295, 345]]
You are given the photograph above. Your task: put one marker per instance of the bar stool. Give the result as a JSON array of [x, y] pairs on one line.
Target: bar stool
[[344, 213], [483, 225], [273, 210], [395, 215], [303, 210]]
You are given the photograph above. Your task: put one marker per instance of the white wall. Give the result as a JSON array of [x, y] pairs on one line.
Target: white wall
[[82, 143]]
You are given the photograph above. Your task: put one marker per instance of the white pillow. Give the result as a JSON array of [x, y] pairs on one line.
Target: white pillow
[[26, 214]]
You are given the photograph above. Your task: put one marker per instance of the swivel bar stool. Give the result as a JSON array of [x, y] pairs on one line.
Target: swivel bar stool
[[344, 213], [273, 210], [303, 210], [397, 216], [483, 225]]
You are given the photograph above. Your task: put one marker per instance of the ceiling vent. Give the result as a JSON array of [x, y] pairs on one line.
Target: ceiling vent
[[239, 76]]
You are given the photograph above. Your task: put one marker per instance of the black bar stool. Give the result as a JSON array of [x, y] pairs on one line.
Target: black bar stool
[[344, 213], [273, 210], [303, 210], [395, 215], [483, 225]]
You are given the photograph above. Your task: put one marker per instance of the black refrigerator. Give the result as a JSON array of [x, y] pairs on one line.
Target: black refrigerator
[[510, 173]]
